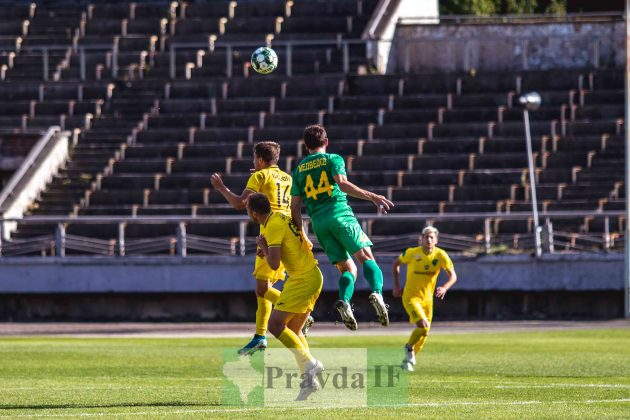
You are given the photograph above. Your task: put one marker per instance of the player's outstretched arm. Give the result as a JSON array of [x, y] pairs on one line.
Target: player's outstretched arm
[[440, 292], [296, 216], [296, 210], [239, 202], [396, 271], [352, 190]]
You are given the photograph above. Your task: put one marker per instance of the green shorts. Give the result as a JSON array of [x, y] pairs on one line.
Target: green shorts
[[340, 234]]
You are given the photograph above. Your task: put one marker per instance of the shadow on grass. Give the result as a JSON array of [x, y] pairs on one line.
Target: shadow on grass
[[122, 405]]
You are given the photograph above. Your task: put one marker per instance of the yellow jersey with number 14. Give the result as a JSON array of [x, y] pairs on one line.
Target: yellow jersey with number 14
[[280, 231], [276, 185]]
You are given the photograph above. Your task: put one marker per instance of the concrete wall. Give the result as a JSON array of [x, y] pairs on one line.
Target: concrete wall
[[573, 272], [498, 47], [221, 289]]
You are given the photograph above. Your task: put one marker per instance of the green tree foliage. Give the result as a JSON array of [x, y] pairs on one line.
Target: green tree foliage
[[558, 7], [492, 7], [518, 7]]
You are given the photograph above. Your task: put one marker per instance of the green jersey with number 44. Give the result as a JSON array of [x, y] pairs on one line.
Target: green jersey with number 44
[[313, 180]]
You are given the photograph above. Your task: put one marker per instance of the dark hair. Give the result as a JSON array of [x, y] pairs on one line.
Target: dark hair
[[259, 203], [269, 151], [315, 136]]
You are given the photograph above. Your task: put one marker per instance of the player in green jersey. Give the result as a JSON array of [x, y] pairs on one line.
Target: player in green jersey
[[320, 182]]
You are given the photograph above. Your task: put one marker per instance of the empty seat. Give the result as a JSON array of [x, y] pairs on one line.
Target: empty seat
[[380, 163], [420, 193]]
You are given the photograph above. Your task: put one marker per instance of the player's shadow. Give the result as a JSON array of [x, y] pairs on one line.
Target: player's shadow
[[60, 406]]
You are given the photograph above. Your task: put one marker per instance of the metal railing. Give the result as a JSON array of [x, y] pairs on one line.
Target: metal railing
[[286, 47], [510, 19], [181, 243], [80, 49], [43, 160]]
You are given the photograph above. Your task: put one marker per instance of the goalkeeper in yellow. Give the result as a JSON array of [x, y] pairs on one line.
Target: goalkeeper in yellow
[[423, 267], [274, 183], [281, 242]]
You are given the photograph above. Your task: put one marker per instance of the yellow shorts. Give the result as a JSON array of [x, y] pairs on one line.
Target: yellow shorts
[[418, 309], [262, 271], [300, 293]]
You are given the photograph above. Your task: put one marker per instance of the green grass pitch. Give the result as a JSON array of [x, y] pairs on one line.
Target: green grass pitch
[[566, 374]]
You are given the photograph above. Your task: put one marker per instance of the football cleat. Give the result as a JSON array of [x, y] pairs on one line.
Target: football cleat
[[409, 361], [347, 316], [258, 343], [310, 383], [406, 366], [376, 299], [307, 325]]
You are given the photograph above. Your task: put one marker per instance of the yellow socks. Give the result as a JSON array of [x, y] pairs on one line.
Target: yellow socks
[[303, 340], [293, 343], [264, 310], [418, 338], [419, 344], [262, 315]]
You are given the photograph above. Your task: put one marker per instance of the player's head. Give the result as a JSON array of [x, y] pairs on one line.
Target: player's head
[[315, 137], [258, 207], [429, 238], [266, 154]]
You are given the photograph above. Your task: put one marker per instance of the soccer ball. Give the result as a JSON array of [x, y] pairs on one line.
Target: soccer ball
[[264, 60]]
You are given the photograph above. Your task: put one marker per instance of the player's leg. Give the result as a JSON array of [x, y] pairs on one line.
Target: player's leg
[[371, 270], [266, 297], [418, 317], [296, 324], [296, 303], [339, 257], [424, 325], [309, 366], [374, 276], [349, 234], [278, 327], [348, 271]]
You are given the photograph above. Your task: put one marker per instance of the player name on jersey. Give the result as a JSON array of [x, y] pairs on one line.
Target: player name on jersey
[[313, 164]]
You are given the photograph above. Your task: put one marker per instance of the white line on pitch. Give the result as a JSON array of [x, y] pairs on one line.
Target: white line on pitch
[[253, 409], [565, 386]]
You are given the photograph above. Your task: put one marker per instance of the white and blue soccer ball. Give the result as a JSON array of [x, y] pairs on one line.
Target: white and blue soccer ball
[[264, 60]]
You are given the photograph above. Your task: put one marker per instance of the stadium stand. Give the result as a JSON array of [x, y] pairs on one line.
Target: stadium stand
[[433, 143]]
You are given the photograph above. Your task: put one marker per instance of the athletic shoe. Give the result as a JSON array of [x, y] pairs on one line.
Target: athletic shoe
[[258, 343], [409, 361], [346, 314], [307, 325], [406, 366], [376, 299], [310, 383]]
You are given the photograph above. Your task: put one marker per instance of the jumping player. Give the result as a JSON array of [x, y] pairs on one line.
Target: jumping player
[[275, 184], [320, 181]]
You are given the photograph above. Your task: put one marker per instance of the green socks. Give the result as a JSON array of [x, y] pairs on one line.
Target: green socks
[[373, 275], [346, 286]]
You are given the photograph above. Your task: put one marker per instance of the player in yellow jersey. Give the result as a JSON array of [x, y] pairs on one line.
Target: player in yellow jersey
[[267, 179], [423, 267], [281, 242]]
